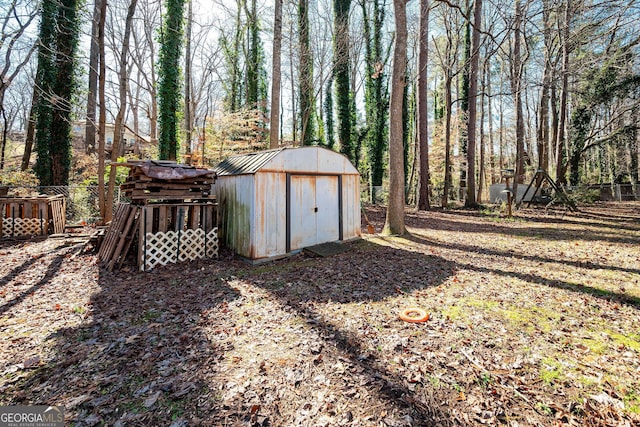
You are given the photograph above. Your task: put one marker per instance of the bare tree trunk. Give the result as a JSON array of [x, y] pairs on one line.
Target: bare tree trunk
[[188, 115], [473, 96], [543, 125], [119, 122], [90, 123], [424, 178], [394, 223], [482, 174], [560, 141], [294, 116], [447, 140], [274, 130], [492, 155], [516, 87], [31, 132], [103, 112]]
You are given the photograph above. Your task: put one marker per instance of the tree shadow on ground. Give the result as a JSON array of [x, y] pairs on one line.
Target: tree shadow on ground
[[529, 229], [367, 273], [604, 294], [52, 269], [136, 359], [526, 258]]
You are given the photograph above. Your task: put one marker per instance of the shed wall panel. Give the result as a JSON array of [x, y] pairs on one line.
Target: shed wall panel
[[270, 219], [351, 221], [236, 202]]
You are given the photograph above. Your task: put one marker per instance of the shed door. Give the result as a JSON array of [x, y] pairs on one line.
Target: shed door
[[314, 210]]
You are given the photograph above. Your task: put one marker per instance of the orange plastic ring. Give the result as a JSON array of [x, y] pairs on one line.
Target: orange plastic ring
[[419, 315]]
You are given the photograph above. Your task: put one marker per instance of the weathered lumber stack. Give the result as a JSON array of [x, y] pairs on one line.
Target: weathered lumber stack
[[172, 216], [161, 180]]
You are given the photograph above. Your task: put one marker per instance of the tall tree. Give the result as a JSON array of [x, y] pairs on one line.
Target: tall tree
[[376, 97], [169, 79], [328, 113], [305, 76], [464, 101], [119, 122], [274, 130], [253, 54], [92, 93], [517, 67], [473, 96], [10, 42], [564, 96], [102, 120], [394, 222], [188, 114], [424, 179], [341, 75], [56, 56]]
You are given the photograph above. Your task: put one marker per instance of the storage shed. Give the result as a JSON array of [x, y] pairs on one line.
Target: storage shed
[[275, 202]]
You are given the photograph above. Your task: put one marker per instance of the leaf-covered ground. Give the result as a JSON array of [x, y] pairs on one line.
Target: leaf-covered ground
[[534, 321]]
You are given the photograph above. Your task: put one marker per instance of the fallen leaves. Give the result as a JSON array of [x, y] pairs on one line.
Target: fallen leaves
[[525, 328]]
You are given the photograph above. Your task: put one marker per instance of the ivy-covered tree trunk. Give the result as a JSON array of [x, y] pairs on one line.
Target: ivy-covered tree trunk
[[45, 82], [169, 79], [68, 28], [253, 54], [580, 120], [328, 114], [305, 76], [376, 97], [341, 75], [56, 61], [464, 104]]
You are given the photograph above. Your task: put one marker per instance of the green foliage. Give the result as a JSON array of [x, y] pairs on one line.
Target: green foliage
[[328, 114], [169, 79], [584, 196], [376, 94], [601, 86], [59, 28], [46, 79], [305, 73], [341, 76], [15, 177]]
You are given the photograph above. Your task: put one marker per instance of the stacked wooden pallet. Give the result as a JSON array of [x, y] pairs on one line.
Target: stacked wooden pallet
[[119, 236], [32, 216], [166, 181], [166, 198]]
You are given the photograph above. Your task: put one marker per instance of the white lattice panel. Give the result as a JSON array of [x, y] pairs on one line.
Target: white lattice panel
[[191, 245], [212, 243], [162, 248], [22, 226]]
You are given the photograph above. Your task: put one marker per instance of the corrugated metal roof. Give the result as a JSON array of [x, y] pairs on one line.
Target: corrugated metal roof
[[246, 163]]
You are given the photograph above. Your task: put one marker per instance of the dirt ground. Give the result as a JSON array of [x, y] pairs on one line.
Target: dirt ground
[[534, 321]]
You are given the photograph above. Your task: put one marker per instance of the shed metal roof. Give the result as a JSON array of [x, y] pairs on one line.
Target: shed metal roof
[[246, 163]]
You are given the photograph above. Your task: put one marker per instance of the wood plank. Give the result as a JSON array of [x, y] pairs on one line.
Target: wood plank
[[112, 233], [162, 219], [124, 235]]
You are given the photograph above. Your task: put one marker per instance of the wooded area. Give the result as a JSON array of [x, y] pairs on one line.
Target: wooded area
[[479, 87]]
